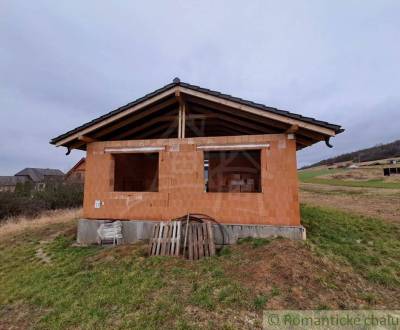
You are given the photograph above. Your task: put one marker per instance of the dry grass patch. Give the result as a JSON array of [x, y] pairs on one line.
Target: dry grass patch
[[16, 225], [373, 202]]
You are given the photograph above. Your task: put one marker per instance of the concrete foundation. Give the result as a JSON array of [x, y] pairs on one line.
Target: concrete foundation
[[134, 231]]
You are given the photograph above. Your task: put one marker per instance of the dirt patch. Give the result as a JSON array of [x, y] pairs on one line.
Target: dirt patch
[[19, 316], [374, 202], [228, 317], [41, 255], [291, 276]]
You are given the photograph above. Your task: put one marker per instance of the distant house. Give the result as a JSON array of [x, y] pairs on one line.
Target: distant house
[[77, 172], [8, 183], [39, 177]]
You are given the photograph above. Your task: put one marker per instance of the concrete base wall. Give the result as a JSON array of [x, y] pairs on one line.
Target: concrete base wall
[[134, 231]]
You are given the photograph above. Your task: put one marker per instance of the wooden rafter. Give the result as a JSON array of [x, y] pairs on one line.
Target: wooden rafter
[[117, 116], [145, 125], [86, 139], [238, 114], [240, 122], [292, 129], [136, 117], [266, 114], [167, 128]]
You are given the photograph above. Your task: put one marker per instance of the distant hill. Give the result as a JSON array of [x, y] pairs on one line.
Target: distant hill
[[380, 151]]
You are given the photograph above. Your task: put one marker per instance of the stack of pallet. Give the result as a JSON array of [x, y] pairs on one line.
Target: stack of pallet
[[199, 241], [165, 239], [190, 239]]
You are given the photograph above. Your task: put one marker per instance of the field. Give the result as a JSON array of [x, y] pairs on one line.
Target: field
[[46, 282], [362, 178]]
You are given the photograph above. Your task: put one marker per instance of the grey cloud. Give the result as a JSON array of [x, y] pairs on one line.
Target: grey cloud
[[64, 63]]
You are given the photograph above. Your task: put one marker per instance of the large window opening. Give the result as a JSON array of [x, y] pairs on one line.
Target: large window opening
[[136, 172], [232, 171]]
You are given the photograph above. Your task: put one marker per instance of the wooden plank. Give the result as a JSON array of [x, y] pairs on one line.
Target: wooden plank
[[211, 243], [154, 240], [186, 235], [190, 242], [168, 242], [195, 244], [151, 240], [200, 240], [170, 237], [292, 129], [180, 122], [159, 238], [206, 240], [164, 240], [183, 120], [178, 238], [86, 139], [173, 243]]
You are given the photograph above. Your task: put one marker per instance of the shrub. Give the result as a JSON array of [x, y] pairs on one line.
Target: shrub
[[27, 202]]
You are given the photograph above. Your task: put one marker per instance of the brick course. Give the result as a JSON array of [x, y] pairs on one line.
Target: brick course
[[181, 184]]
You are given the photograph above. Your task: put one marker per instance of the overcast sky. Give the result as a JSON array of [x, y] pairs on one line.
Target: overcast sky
[[63, 63]]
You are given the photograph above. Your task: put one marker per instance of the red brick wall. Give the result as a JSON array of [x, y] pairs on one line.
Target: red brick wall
[[181, 184]]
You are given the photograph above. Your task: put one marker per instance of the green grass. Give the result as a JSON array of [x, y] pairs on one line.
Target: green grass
[[313, 177], [95, 288], [305, 175], [254, 242], [370, 246], [98, 288]]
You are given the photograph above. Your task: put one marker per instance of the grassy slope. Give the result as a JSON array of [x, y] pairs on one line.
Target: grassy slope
[[371, 246], [348, 262], [312, 177]]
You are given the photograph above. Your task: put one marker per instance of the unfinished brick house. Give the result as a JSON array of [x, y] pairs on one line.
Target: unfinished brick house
[[77, 173], [186, 149]]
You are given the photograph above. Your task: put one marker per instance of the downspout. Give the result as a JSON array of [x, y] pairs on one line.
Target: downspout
[[327, 142]]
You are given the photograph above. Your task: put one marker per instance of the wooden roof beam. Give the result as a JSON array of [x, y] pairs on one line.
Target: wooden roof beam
[[247, 108], [239, 122], [167, 128], [238, 114], [137, 129], [87, 139], [117, 116], [132, 119], [292, 129]]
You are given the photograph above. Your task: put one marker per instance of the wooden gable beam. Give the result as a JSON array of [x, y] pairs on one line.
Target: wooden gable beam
[[167, 128], [145, 125], [117, 116], [292, 129], [137, 117], [87, 139], [258, 112], [239, 122], [181, 114], [213, 108]]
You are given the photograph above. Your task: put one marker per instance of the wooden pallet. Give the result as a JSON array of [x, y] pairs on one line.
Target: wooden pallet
[[200, 241], [166, 239]]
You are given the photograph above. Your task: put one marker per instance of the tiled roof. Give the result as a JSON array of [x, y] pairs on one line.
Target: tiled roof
[[177, 82], [11, 180], [38, 174]]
